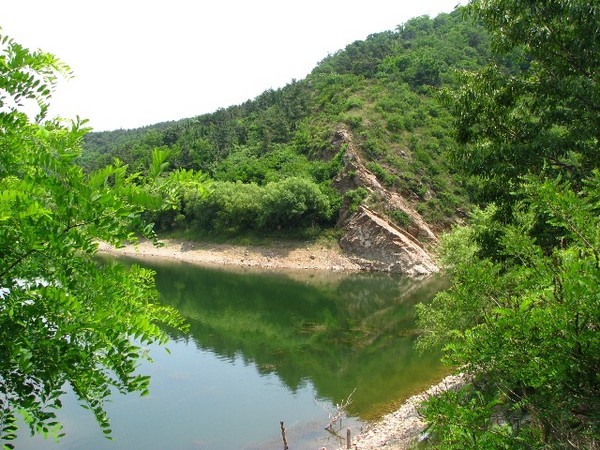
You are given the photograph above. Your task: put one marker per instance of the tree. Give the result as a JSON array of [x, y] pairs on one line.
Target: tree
[[542, 116], [522, 314], [65, 318]]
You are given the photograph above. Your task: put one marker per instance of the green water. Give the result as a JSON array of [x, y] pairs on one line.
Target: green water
[[264, 348]]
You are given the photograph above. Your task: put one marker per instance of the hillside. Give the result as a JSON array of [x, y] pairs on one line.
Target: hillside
[[364, 134]]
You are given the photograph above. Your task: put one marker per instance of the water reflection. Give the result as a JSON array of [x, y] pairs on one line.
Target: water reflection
[[261, 348], [349, 331]]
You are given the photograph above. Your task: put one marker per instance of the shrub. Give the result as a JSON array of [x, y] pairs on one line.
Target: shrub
[[400, 218], [354, 122], [382, 174], [228, 207], [395, 123], [354, 197], [354, 102], [292, 203]]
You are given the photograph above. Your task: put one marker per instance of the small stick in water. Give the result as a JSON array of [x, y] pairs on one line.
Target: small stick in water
[[285, 444]]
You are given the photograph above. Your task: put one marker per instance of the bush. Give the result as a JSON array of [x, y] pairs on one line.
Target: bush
[[229, 207], [373, 148], [292, 203], [382, 174], [354, 102], [400, 218], [395, 123], [354, 197], [354, 122]]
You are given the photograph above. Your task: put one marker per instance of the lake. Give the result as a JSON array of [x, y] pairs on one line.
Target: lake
[[266, 347]]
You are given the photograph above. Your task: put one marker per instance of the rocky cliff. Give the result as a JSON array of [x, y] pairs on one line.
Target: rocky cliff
[[370, 237]]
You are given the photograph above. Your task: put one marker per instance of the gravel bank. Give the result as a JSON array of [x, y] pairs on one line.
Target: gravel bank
[[402, 427]]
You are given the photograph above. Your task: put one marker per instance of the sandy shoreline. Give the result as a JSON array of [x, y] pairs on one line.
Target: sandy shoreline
[[293, 256]]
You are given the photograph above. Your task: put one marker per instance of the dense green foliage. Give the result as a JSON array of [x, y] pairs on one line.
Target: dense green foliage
[[64, 318], [523, 313], [382, 88], [293, 202]]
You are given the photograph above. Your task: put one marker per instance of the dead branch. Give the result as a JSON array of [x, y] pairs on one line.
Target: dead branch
[[339, 413], [285, 444]]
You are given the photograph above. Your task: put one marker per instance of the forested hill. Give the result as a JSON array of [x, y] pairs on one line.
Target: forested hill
[[384, 91]]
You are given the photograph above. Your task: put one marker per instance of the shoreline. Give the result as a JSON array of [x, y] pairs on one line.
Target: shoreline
[[280, 256], [404, 427]]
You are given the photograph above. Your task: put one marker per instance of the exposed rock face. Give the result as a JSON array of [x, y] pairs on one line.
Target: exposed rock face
[[371, 238], [378, 245]]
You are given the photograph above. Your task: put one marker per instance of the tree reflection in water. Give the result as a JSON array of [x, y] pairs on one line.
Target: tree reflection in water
[[341, 332]]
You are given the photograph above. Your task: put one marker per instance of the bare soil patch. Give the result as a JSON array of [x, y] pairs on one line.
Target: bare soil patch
[[283, 255]]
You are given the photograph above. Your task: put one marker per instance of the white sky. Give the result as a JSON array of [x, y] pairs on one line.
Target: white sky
[[139, 62]]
